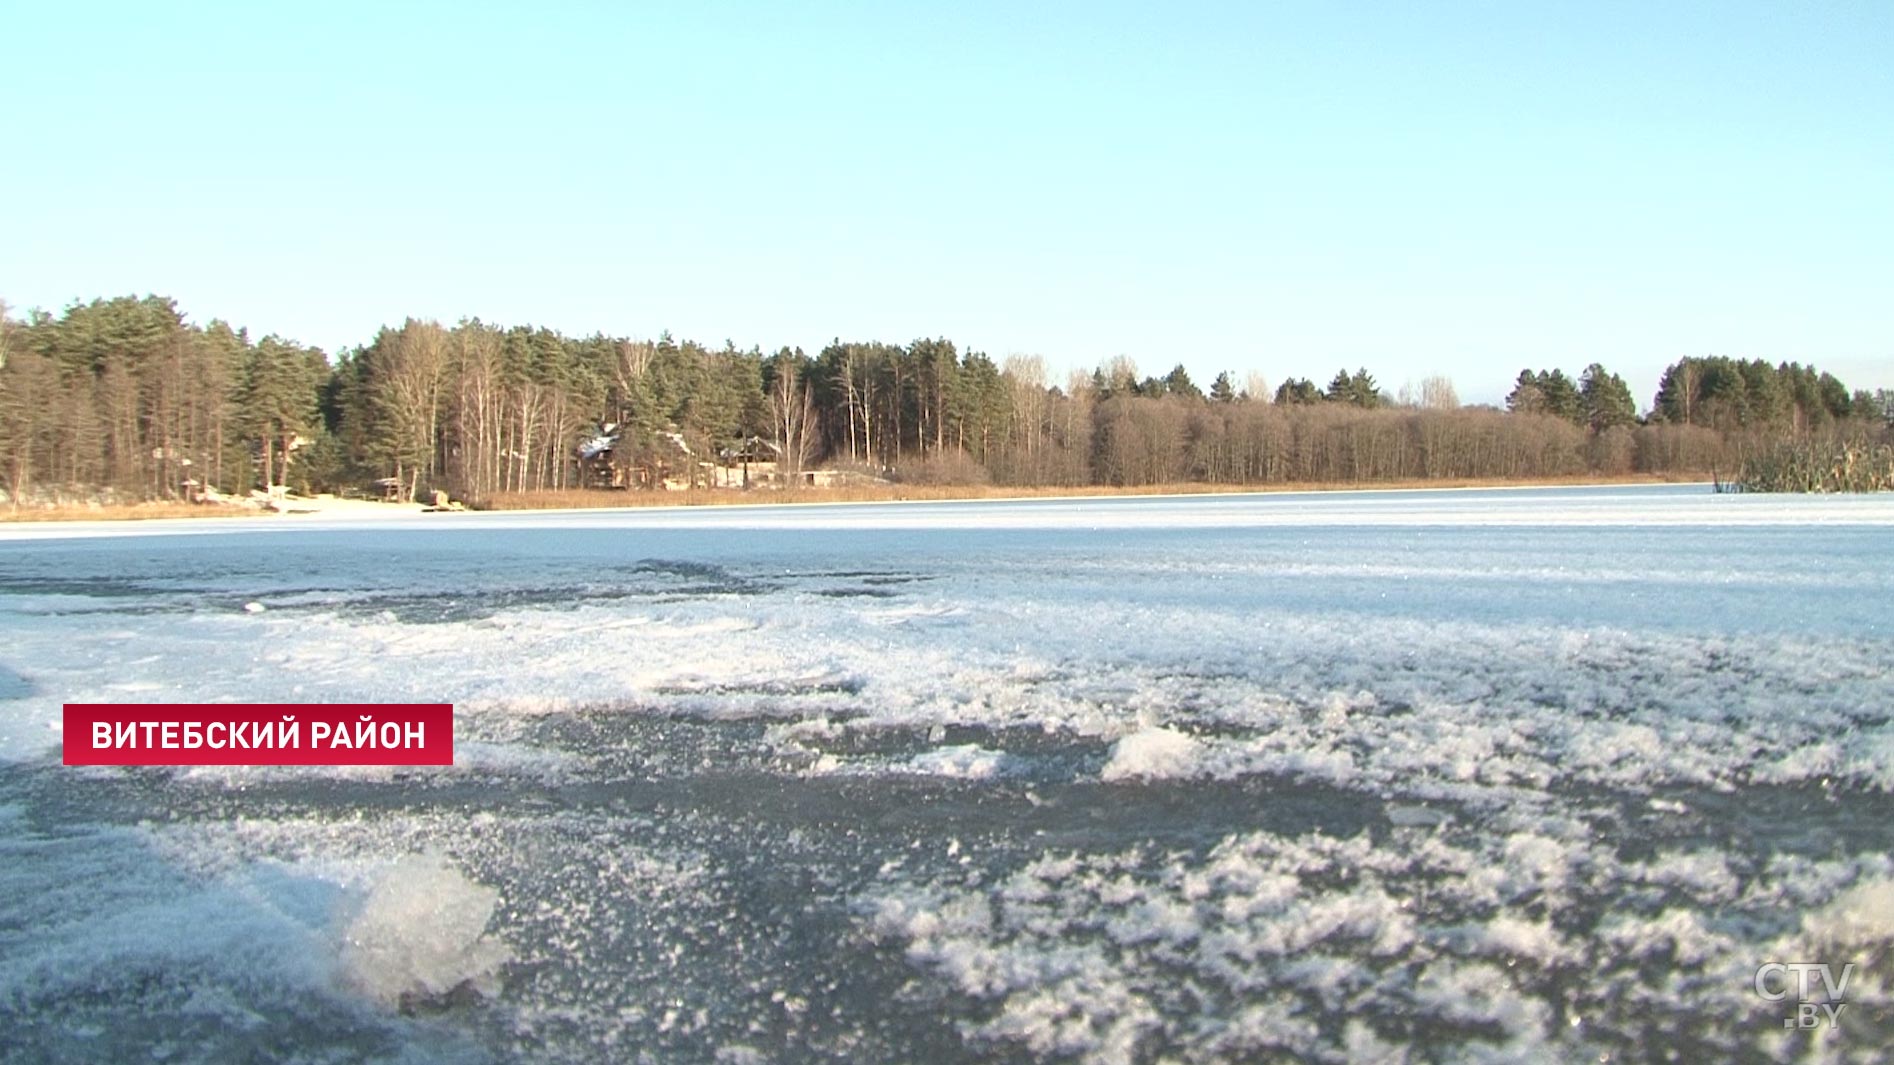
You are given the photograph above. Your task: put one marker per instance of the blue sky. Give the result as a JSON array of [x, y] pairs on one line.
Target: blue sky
[[1462, 188]]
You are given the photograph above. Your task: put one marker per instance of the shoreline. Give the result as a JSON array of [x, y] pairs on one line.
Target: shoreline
[[606, 500]]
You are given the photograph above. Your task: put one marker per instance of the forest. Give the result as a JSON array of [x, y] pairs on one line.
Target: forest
[[126, 398]]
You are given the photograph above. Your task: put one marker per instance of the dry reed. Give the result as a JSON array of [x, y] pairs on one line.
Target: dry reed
[[123, 511], [583, 499]]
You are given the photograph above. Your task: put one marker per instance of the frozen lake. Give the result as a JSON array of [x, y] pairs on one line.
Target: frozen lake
[[1457, 775]]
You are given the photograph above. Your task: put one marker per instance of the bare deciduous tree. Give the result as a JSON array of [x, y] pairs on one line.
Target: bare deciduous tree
[[793, 418], [409, 396], [1437, 393]]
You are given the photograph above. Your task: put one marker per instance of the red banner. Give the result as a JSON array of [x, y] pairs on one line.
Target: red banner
[[259, 734]]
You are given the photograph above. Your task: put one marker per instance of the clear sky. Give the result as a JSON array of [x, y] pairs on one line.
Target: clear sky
[[1457, 188]]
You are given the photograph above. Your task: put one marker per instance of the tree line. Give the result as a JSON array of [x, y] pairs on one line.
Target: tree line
[[127, 396]]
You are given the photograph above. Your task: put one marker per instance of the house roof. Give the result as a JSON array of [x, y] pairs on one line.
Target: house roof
[[752, 446]]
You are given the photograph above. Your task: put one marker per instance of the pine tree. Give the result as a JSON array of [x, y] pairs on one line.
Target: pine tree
[[1300, 391], [1605, 399], [1526, 396], [1178, 383], [1561, 396]]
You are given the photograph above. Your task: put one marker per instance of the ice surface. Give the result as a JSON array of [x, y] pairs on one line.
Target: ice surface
[[1500, 775], [1664, 506]]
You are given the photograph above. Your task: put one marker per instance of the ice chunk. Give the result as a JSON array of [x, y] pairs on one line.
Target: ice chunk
[[1520, 937], [1153, 754], [421, 938], [964, 762], [1861, 916]]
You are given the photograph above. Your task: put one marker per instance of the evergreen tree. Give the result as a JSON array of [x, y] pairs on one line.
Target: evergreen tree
[[1222, 390], [281, 395], [1561, 396], [1357, 389], [1364, 392], [1526, 397], [1298, 391], [1178, 383], [1605, 399]]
